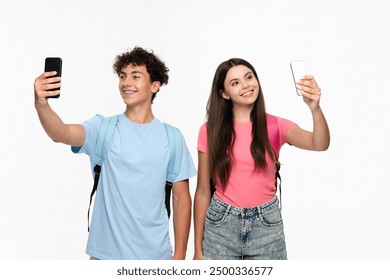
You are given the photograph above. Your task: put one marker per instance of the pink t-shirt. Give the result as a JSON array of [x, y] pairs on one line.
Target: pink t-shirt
[[247, 188]]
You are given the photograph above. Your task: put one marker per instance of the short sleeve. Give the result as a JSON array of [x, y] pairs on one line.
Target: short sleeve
[[284, 126], [91, 127], [187, 167], [202, 139]]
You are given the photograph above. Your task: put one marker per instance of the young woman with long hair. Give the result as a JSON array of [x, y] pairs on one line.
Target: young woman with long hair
[[238, 149]]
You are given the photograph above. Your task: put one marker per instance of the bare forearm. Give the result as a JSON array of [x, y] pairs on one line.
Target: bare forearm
[[71, 134], [321, 134], [201, 203], [319, 139], [199, 219], [56, 129], [181, 222], [51, 123]]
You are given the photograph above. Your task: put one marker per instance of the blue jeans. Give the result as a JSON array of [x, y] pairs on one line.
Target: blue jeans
[[233, 233]]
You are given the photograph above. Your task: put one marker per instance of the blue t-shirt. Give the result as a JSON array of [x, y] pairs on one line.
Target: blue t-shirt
[[129, 219]]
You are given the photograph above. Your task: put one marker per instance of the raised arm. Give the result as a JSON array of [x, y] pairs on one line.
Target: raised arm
[[319, 138], [70, 134], [201, 203]]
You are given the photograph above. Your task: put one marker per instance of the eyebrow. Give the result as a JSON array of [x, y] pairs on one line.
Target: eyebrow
[[132, 72], [234, 79], [136, 72]]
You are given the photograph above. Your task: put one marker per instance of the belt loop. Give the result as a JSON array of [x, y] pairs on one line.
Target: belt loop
[[228, 208], [258, 208]]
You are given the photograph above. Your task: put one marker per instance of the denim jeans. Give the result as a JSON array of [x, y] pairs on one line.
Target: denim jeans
[[233, 233]]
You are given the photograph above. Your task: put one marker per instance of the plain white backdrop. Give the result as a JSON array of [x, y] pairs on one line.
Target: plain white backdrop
[[336, 204]]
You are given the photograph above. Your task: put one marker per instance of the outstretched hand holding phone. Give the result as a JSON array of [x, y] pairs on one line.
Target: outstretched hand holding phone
[[54, 64], [305, 84], [48, 84]]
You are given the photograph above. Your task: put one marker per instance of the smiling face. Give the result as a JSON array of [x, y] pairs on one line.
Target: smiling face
[[135, 85], [241, 86]]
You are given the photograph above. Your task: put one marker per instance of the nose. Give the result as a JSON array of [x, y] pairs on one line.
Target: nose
[[127, 82], [244, 85]]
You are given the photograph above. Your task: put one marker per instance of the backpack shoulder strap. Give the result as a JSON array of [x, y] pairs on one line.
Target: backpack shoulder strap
[[175, 153], [103, 141], [175, 149]]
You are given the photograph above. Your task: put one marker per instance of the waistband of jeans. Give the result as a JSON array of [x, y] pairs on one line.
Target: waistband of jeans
[[246, 211]]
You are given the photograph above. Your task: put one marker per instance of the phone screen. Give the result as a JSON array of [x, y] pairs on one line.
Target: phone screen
[[54, 64], [298, 70]]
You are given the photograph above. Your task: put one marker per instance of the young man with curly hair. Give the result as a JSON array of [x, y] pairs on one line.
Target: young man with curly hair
[[129, 219]]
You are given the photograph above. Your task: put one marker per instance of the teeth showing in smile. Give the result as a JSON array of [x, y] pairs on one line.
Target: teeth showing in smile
[[247, 93], [129, 92]]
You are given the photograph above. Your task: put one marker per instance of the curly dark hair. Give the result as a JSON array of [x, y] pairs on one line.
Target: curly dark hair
[[138, 57]]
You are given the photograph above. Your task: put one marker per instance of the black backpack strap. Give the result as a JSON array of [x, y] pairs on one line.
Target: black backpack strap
[[96, 170], [278, 177], [273, 134], [175, 154], [168, 190], [212, 188]]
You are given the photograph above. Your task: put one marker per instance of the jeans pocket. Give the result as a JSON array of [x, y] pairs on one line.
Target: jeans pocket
[[271, 217], [216, 215]]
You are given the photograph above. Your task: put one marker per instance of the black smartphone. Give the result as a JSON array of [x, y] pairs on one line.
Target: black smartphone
[[54, 64]]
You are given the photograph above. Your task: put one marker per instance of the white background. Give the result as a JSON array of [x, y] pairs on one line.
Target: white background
[[336, 204]]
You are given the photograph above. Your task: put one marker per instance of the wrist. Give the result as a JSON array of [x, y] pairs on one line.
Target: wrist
[[198, 251], [41, 104], [178, 256], [316, 109], [198, 255]]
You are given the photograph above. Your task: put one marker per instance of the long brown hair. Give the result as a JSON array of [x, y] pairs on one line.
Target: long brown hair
[[220, 126]]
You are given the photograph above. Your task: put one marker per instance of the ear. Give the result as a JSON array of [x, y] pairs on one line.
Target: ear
[[156, 86], [224, 94]]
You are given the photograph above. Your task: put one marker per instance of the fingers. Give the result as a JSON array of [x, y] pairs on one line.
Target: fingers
[[45, 83], [52, 93], [309, 87], [46, 75], [309, 78]]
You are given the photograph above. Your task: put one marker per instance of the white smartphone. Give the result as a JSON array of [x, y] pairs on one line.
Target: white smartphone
[[298, 70]]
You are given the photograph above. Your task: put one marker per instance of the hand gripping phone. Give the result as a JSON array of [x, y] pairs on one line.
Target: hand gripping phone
[[54, 64], [298, 70]]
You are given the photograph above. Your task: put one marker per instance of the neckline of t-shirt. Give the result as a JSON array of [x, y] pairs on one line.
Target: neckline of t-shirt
[[242, 123], [127, 120]]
